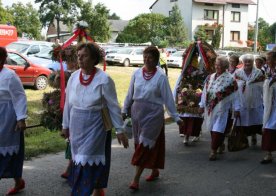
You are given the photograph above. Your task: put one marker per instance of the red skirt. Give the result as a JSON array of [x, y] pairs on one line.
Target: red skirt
[[217, 139], [269, 140], [153, 158], [191, 127]]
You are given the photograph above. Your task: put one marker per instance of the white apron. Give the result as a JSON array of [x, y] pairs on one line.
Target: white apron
[[9, 138], [87, 137]]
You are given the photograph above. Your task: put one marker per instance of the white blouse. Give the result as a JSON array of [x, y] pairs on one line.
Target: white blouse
[[156, 90], [11, 90], [89, 98]]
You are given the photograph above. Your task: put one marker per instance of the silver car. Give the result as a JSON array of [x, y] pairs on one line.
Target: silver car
[[126, 56], [29, 47]]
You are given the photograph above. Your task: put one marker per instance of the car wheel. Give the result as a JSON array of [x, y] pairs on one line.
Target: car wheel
[[41, 82], [126, 63]]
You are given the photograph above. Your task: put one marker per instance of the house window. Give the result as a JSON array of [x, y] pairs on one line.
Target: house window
[[209, 34], [211, 14], [235, 16], [234, 36], [173, 0], [209, 4], [236, 5]]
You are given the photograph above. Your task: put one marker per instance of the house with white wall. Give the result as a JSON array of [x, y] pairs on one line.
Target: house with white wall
[[231, 14]]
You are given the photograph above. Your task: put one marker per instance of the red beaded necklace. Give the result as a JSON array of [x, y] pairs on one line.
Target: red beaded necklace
[[148, 75], [89, 80]]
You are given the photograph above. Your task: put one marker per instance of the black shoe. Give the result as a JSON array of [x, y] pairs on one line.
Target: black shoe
[[266, 161]]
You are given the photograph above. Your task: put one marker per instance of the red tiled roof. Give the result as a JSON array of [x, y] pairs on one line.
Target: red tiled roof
[[248, 2]]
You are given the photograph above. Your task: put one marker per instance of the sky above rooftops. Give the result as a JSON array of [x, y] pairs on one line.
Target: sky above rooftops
[[128, 9]]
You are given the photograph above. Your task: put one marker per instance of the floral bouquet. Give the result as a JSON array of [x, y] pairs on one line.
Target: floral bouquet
[[188, 100]]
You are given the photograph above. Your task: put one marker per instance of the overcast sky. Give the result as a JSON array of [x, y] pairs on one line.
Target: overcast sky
[[128, 9]]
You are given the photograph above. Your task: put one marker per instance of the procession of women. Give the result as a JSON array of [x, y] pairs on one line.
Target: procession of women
[[213, 94]]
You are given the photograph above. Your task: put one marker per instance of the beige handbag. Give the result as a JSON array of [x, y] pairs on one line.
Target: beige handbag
[[107, 123]]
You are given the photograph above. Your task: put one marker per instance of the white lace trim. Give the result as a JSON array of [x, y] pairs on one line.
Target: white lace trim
[[146, 142], [90, 159], [9, 150]]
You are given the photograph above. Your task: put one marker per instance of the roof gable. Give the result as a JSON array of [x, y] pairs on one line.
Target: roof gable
[[118, 25]]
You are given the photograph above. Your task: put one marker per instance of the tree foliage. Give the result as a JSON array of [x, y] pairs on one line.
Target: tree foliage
[[177, 32], [264, 34], [62, 10], [200, 34], [216, 37], [272, 30], [97, 19], [114, 16], [144, 28], [26, 19], [5, 16]]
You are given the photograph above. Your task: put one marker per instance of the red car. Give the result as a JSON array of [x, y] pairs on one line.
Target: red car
[[30, 74]]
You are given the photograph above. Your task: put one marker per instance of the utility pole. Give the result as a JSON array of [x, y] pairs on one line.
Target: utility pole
[[256, 28]]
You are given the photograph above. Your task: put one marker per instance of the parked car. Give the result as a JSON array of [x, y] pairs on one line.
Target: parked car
[[29, 47], [170, 51], [44, 59], [110, 50], [226, 53], [176, 59], [29, 73], [126, 56]]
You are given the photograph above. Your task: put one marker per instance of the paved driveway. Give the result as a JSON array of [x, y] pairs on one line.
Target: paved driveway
[[188, 172]]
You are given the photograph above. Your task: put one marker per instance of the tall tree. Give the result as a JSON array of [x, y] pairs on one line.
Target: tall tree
[[144, 28], [5, 16], [114, 16], [28, 14], [177, 32], [97, 19], [272, 30], [65, 11], [200, 34], [264, 35], [216, 37]]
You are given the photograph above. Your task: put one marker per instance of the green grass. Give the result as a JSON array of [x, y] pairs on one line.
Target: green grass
[[40, 140]]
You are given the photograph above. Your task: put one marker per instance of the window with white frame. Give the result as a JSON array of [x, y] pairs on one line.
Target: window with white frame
[[234, 36], [173, 0], [235, 16], [211, 14]]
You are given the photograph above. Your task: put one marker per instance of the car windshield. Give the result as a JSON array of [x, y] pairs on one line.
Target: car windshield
[[44, 53], [18, 47], [125, 51], [178, 54]]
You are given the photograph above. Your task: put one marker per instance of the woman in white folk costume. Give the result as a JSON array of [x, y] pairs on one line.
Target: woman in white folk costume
[[89, 89], [13, 112], [250, 82], [269, 120], [219, 95], [149, 90]]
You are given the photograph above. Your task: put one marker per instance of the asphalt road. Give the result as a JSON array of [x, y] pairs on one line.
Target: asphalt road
[[188, 172]]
